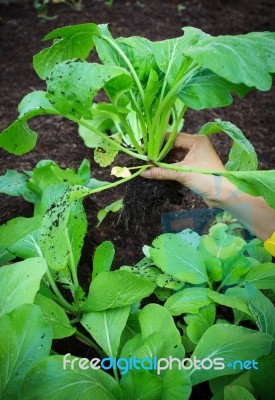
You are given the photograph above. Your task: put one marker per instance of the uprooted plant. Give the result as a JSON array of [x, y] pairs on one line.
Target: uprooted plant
[[150, 85]]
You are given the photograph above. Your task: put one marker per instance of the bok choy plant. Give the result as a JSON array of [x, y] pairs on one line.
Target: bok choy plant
[[149, 86]]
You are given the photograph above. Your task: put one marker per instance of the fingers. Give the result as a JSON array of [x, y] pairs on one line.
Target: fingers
[[185, 141], [160, 174]]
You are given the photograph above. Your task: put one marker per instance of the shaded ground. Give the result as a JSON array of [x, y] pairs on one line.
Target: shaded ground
[[21, 34]]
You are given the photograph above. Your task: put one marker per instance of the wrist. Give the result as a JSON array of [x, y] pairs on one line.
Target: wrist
[[223, 195]]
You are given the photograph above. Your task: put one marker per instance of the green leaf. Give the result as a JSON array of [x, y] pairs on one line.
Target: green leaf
[[121, 288], [230, 343], [147, 272], [19, 236], [156, 319], [263, 377], [77, 382], [214, 269], [242, 155], [233, 297], [176, 385], [139, 51], [163, 280], [132, 327], [13, 183], [58, 238], [262, 276], [236, 392], [256, 183], [113, 207], [200, 322], [25, 339], [141, 385], [217, 385], [69, 42], [84, 172], [48, 173], [255, 249], [151, 90], [176, 257], [188, 300], [77, 228], [72, 85], [169, 57], [205, 89], [55, 317], [220, 244], [103, 258], [18, 138], [35, 103], [238, 59], [20, 282], [106, 327], [191, 237], [262, 309], [104, 118], [234, 269]]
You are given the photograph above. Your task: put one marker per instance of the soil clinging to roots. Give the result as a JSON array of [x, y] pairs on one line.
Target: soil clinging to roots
[[144, 199]]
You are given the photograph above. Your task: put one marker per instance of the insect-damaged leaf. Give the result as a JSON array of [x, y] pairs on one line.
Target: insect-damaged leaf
[[63, 229], [72, 85], [18, 138], [69, 42]]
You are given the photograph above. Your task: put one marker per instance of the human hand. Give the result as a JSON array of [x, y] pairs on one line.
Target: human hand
[[200, 154]]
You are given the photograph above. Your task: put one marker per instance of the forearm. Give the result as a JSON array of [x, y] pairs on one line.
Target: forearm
[[253, 212]]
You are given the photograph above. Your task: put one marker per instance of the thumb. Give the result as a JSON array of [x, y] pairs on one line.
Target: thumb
[[160, 174]]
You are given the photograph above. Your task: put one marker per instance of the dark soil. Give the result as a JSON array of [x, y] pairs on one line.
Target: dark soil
[[21, 34]]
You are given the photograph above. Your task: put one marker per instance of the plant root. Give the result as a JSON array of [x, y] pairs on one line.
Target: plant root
[[145, 199]]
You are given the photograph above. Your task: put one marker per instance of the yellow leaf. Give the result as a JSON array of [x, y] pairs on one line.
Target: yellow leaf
[[121, 172]]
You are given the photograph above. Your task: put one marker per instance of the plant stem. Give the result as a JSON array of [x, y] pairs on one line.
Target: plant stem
[[169, 99], [131, 134], [86, 192], [105, 138], [72, 263], [138, 166], [173, 135], [137, 81], [59, 296], [116, 374], [185, 169], [90, 343]]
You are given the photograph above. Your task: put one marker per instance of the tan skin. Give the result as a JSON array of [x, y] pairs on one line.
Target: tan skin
[[253, 212]]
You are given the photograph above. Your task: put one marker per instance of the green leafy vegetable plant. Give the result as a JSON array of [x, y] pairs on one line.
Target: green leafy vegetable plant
[[149, 86], [216, 270], [218, 287]]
